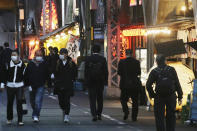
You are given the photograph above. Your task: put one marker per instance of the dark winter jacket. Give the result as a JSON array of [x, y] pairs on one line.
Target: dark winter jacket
[[65, 75], [6, 55], [129, 69], [96, 58], [36, 74], [12, 74], [153, 76], [52, 61]]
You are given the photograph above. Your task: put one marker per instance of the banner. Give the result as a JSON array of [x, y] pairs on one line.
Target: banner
[[73, 47], [194, 3], [93, 4], [100, 12]]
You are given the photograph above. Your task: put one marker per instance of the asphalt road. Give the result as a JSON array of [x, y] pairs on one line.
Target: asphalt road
[[51, 118]]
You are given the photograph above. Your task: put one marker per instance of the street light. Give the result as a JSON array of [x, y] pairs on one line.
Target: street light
[[183, 8]]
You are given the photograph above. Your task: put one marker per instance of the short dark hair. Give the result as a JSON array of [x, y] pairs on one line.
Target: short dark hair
[[50, 48], [63, 51], [55, 49], [96, 48], [129, 52], [6, 44], [16, 51], [160, 59]]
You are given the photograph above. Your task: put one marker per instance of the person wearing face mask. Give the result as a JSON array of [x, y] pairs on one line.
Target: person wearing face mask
[[65, 74], [13, 79], [36, 75]]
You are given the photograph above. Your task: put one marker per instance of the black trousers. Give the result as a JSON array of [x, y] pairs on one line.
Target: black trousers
[[159, 110], [64, 101], [124, 97], [96, 100], [11, 94]]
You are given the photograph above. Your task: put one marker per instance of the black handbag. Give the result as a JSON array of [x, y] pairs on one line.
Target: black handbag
[[24, 105]]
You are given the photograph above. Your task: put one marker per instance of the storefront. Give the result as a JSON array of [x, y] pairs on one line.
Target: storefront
[[189, 36], [64, 37], [135, 38]]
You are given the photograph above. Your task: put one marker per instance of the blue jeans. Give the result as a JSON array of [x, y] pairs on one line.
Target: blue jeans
[[36, 98]]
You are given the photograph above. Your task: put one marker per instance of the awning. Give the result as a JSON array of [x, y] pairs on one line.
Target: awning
[[57, 31], [171, 48], [193, 44]]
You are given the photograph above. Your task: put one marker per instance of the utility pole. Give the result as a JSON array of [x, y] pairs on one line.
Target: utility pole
[[18, 26]]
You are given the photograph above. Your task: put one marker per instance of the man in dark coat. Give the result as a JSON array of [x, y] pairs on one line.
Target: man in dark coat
[[1, 65], [129, 71], [96, 75], [52, 59], [66, 72], [6, 54], [160, 101], [1, 52]]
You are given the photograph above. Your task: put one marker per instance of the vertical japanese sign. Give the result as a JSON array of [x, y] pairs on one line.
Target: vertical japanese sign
[[194, 3], [100, 12], [73, 47]]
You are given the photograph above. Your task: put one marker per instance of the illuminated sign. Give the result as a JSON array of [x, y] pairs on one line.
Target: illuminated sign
[[133, 2], [51, 17], [143, 32], [134, 32], [140, 2]]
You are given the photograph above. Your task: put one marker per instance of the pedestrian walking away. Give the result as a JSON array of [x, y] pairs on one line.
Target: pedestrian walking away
[[1, 65], [96, 75], [36, 75], [12, 77], [164, 94], [129, 71], [6, 54], [65, 75], [1, 57]]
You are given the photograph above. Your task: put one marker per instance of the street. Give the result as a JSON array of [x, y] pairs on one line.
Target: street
[[80, 120]]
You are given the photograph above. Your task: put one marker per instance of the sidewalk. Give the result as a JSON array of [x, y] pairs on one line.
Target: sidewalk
[[146, 120]]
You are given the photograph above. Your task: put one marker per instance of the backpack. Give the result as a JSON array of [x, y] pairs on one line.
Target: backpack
[[95, 71], [164, 83]]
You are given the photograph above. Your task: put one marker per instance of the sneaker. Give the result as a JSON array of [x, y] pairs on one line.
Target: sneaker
[[20, 123], [94, 119], [9, 122], [35, 119], [66, 118]]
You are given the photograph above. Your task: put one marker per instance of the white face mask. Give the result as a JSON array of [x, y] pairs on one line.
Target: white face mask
[[61, 57], [14, 58], [39, 58]]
